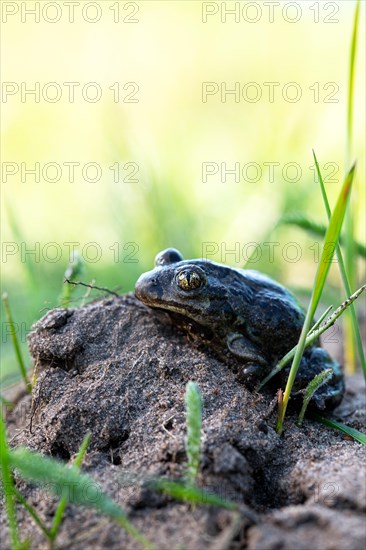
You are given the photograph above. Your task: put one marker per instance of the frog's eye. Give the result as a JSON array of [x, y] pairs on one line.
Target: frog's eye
[[189, 279]]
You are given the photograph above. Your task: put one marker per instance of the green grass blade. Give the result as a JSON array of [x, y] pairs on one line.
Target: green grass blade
[[73, 271], [14, 338], [187, 493], [351, 79], [32, 512], [351, 266], [77, 488], [345, 281], [57, 519], [30, 267], [25, 545], [194, 425], [331, 238], [63, 502], [8, 487], [322, 187], [280, 410], [355, 434], [311, 388], [320, 320], [7, 403]]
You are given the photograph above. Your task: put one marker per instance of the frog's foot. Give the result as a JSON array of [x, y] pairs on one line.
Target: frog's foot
[[250, 373]]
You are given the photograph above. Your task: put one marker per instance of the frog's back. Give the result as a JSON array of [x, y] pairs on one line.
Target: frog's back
[[273, 316], [260, 281]]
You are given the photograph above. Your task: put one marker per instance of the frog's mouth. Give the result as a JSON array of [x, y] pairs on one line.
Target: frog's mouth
[[160, 302], [190, 325], [149, 291], [181, 318]]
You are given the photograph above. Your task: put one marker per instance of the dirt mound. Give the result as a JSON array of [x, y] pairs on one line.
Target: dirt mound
[[119, 369]]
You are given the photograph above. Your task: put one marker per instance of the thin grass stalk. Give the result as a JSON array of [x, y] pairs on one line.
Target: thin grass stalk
[[351, 432], [347, 288], [39, 469], [8, 487], [16, 346], [331, 239], [351, 80], [31, 512]]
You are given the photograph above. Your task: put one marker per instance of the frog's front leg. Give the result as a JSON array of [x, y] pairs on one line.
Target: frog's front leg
[[254, 365]]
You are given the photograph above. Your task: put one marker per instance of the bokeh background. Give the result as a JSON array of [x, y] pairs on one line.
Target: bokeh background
[[158, 54]]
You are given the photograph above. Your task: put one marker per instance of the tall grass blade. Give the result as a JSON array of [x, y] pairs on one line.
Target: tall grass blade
[[331, 239], [345, 281], [77, 488], [351, 265], [8, 486], [351, 432], [351, 80], [14, 338], [194, 425]]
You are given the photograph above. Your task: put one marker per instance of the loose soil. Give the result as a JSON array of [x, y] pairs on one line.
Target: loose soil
[[119, 369]]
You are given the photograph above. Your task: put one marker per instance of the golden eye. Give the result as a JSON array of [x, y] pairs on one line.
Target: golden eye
[[188, 280]]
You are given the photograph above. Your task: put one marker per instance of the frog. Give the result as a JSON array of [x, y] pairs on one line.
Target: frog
[[247, 318]]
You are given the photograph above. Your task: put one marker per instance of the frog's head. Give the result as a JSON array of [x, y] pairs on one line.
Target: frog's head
[[193, 288]]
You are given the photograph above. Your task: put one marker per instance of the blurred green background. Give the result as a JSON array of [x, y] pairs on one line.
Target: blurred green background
[[159, 54]]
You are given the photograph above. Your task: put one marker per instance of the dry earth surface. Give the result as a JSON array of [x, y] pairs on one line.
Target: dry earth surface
[[119, 369]]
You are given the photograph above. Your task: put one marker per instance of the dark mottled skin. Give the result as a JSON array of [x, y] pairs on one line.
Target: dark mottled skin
[[252, 320]]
